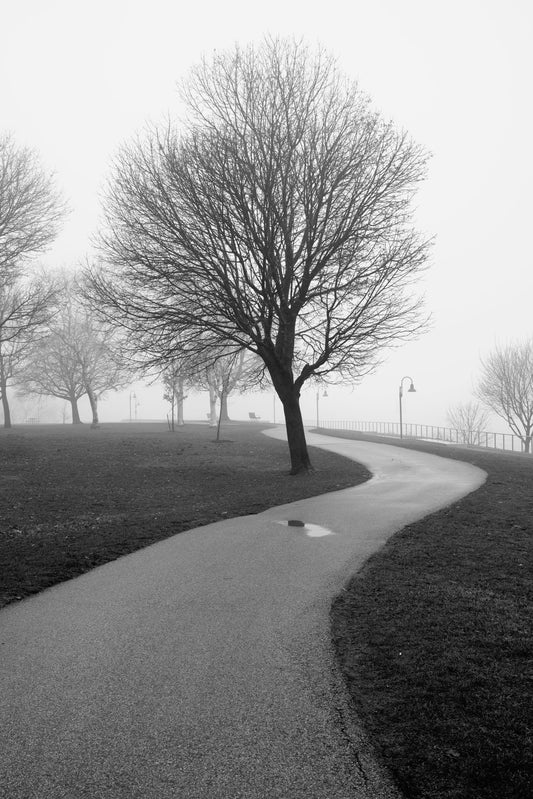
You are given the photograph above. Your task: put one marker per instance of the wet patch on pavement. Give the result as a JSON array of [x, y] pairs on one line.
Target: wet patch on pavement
[[311, 530]]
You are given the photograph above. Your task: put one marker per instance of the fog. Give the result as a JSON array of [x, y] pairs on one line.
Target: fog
[[78, 81]]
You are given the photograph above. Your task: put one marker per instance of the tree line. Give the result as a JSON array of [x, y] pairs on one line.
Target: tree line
[[272, 224], [52, 344]]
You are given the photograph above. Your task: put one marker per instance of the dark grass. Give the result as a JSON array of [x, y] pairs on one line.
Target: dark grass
[[72, 497], [434, 636]]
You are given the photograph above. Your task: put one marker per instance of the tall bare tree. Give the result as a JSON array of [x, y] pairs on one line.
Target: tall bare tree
[[53, 368], [470, 420], [25, 309], [102, 365], [30, 212], [279, 222], [77, 357], [30, 206], [506, 387]]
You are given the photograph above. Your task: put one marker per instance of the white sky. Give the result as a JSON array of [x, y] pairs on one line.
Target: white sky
[[78, 79]]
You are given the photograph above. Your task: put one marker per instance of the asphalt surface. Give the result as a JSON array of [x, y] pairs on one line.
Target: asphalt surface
[[201, 666]]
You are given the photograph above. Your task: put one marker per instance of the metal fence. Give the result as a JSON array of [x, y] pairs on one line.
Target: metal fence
[[473, 438]]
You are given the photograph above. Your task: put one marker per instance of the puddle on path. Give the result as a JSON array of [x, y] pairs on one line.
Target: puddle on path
[[311, 530]]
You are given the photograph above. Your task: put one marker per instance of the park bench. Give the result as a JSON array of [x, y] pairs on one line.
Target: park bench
[[253, 416]]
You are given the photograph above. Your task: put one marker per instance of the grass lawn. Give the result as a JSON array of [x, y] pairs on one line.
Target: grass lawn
[[434, 634], [72, 498], [435, 640]]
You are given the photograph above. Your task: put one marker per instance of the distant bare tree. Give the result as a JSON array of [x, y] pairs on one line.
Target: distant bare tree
[[30, 206], [470, 420], [53, 368], [222, 378], [26, 307], [77, 357], [174, 377], [506, 387], [232, 371], [102, 365], [280, 222]]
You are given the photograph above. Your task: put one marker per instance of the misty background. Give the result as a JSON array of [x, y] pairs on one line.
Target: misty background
[[78, 81]]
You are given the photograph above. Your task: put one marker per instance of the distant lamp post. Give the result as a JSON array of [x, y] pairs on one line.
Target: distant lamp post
[[325, 394], [411, 389]]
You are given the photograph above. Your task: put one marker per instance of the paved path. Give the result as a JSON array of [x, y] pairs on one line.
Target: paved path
[[200, 667]]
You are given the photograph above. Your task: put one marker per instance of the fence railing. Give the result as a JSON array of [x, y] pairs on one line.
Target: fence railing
[[472, 438]]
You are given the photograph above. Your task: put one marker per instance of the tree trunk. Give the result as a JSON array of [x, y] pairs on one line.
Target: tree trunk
[[75, 413], [5, 406], [3, 393], [180, 398], [172, 409], [224, 407], [220, 415], [180, 421], [300, 461], [212, 407], [93, 401], [289, 395]]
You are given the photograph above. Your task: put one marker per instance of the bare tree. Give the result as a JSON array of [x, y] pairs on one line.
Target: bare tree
[[470, 420], [280, 222], [26, 306], [232, 371], [30, 206], [30, 211], [102, 365], [77, 357], [222, 377], [53, 368], [506, 387], [174, 377]]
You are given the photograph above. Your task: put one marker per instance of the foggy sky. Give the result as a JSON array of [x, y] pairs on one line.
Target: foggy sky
[[78, 80]]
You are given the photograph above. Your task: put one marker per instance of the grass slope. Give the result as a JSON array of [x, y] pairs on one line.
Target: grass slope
[[72, 498], [435, 642]]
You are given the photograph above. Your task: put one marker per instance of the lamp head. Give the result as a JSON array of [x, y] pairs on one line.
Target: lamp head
[[412, 387]]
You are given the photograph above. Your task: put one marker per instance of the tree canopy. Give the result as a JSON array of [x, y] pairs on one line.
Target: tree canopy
[[506, 387], [277, 218], [30, 205], [77, 356], [26, 307]]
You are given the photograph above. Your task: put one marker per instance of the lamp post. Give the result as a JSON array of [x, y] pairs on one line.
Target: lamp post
[[411, 389], [325, 394]]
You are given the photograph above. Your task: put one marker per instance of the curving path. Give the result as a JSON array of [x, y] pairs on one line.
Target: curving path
[[200, 667]]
